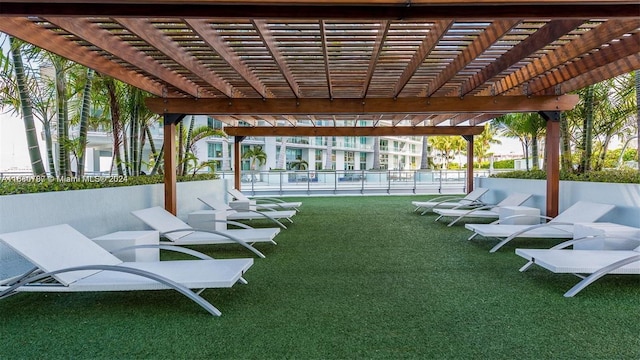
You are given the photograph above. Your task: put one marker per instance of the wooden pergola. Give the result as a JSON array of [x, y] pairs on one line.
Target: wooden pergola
[[343, 67]]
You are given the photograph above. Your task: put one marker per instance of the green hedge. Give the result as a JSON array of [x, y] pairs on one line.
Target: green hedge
[[610, 176], [27, 185]]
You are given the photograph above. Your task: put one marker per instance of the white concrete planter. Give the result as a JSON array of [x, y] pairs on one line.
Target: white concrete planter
[[626, 197], [95, 212]]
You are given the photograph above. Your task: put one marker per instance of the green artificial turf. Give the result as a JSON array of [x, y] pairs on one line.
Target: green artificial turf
[[352, 278]]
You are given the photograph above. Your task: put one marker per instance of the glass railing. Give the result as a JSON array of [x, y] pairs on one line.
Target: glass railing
[[354, 181]]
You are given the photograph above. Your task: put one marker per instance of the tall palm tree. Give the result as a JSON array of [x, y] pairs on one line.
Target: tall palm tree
[[37, 167], [483, 142], [526, 127]]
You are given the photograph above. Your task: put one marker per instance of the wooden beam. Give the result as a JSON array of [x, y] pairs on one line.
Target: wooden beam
[[149, 33], [325, 55], [103, 39], [609, 71], [469, 163], [353, 131], [626, 47], [170, 178], [428, 43], [315, 106], [211, 36], [337, 9], [553, 166], [534, 42], [237, 156], [262, 27], [375, 55], [48, 40], [593, 39], [491, 34]]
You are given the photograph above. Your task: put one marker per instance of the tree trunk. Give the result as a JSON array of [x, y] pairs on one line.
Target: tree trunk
[[638, 113], [37, 167], [64, 163], [424, 159], [187, 145], [587, 128], [376, 153], [116, 127], [534, 153], [180, 132], [158, 160], [328, 161], [84, 120], [565, 145], [282, 157], [48, 140]]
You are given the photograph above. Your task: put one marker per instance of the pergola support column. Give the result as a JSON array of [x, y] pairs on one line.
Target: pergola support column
[[553, 160], [170, 177], [469, 139], [236, 161]]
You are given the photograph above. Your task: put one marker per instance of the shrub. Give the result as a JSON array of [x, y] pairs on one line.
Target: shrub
[[610, 176], [27, 185]]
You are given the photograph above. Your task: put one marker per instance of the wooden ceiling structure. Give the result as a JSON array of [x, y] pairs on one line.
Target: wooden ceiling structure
[[343, 67]]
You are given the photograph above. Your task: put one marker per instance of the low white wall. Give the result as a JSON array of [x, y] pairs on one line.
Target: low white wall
[[626, 197], [95, 212]]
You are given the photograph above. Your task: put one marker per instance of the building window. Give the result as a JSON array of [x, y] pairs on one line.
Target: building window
[[213, 123], [384, 161], [384, 145], [363, 161], [214, 150], [349, 160]]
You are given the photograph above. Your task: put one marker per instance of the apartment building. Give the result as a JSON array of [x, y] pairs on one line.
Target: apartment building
[[320, 153]]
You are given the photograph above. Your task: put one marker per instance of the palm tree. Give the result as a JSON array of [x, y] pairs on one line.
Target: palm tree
[[255, 154], [26, 107], [526, 127], [482, 143], [299, 164], [447, 146]]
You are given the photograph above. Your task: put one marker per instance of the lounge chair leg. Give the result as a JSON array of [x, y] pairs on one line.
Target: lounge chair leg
[[472, 236], [600, 273]]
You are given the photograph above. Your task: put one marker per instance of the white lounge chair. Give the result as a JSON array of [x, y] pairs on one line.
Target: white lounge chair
[[177, 232], [560, 227], [486, 211], [470, 200], [244, 203], [232, 214], [67, 261], [589, 265]]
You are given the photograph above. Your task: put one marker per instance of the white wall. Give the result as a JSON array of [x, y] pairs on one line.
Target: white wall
[[95, 212], [626, 197]]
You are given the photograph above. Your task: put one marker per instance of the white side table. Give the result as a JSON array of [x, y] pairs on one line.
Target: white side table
[[612, 230], [526, 215], [122, 239], [243, 205], [208, 219]]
